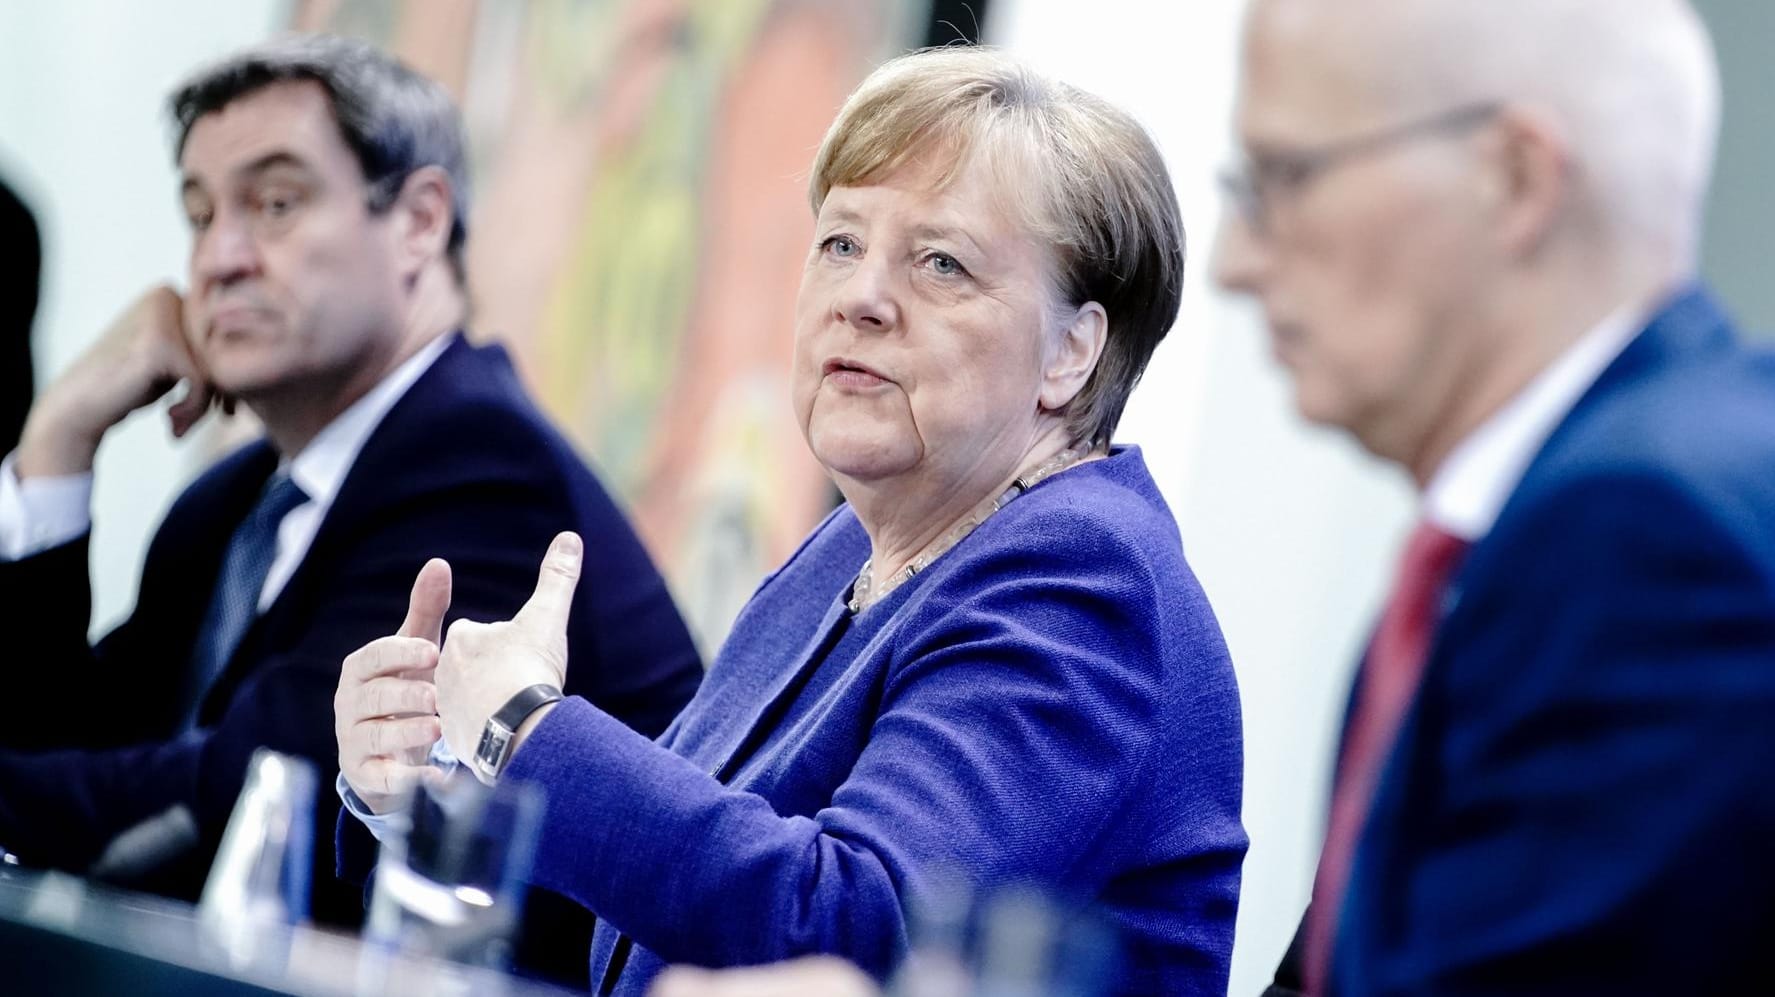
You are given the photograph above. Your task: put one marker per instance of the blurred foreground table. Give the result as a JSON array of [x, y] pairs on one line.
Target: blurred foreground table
[[62, 935]]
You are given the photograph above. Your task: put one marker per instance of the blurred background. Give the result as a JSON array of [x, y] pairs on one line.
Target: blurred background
[[639, 228]]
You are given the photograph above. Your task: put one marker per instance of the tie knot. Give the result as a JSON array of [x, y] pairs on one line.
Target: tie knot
[[1430, 556], [281, 495]]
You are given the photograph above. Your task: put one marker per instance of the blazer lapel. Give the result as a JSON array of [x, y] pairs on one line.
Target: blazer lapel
[[363, 488], [788, 684], [358, 494]]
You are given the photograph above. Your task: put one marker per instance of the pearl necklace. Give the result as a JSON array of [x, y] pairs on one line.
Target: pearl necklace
[[866, 592]]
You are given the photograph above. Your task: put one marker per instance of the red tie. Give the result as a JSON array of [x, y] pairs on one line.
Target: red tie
[[1388, 682]]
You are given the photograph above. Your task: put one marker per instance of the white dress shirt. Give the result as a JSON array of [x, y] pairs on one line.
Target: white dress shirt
[[321, 467], [1468, 491], [46, 512]]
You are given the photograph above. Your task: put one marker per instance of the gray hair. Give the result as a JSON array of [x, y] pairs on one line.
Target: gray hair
[[394, 120], [1634, 84], [1085, 175]]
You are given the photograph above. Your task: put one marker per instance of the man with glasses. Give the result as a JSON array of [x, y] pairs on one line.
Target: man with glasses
[[1473, 229]]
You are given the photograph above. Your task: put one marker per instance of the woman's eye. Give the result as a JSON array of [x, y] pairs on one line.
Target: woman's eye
[[946, 265], [840, 245]]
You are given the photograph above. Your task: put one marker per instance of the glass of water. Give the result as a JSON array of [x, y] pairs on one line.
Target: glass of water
[[258, 885], [450, 880]]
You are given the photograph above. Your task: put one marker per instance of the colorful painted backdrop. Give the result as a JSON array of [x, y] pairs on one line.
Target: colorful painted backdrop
[[639, 228]]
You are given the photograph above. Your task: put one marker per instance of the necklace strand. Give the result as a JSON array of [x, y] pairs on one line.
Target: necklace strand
[[866, 592]]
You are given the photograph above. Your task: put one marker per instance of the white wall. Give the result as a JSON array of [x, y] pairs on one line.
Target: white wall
[[1291, 529], [1741, 213], [84, 139]]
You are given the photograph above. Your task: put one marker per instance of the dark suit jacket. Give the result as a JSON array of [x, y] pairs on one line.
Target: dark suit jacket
[[1582, 799], [463, 467]]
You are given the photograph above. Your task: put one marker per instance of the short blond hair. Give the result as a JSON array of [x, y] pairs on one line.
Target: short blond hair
[[1078, 171]]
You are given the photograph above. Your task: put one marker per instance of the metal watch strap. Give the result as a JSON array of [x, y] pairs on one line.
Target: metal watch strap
[[496, 737]]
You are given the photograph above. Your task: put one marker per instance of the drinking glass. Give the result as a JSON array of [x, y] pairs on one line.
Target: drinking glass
[[258, 885], [450, 880]]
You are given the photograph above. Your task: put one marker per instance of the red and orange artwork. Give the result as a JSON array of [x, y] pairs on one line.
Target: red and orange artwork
[[639, 229]]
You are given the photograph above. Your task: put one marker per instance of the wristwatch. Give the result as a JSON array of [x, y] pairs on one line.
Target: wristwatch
[[496, 738]]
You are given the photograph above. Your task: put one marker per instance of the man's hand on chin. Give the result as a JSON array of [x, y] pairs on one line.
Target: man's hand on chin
[[142, 356]]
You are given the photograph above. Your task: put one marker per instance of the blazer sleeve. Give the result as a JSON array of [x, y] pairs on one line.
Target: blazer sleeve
[[46, 601], [1603, 771], [1005, 745], [133, 685], [45, 608]]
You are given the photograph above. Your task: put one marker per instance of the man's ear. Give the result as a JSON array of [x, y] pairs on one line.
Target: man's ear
[[1073, 356], [1531, 178], [423, 213]]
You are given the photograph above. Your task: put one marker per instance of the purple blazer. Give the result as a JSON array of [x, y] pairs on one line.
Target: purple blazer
[[1049, 702]]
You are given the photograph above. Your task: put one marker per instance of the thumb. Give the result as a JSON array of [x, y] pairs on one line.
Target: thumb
[[428, 603], [552, 602], [172, 322], [188, 410]]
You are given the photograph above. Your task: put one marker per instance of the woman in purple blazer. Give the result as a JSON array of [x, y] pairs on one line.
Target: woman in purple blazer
[[993, 658]]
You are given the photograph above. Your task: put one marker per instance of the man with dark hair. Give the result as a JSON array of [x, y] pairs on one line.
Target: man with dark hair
[[324, 187]]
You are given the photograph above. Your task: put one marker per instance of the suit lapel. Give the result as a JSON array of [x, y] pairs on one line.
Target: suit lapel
[[1691, 324], [359, 494], [364, 487]]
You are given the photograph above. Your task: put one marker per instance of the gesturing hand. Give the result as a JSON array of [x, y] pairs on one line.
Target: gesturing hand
[[485, 664], [385, 713]]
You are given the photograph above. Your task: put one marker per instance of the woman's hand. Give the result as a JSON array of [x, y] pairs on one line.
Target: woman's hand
[[385, 712], [484, 664]]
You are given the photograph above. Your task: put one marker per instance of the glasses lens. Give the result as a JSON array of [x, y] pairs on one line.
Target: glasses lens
[[1238, 187]]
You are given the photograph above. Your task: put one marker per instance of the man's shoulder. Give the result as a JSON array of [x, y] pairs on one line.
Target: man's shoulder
[[1701, 431], [1685, 415], [470, 422], [470, 398], [234, 479], [1655, 487]]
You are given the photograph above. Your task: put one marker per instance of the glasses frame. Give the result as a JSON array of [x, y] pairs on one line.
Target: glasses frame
[[1256, 183]]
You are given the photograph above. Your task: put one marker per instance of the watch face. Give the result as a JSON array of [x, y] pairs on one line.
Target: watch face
[[484, 772], [496, 743]]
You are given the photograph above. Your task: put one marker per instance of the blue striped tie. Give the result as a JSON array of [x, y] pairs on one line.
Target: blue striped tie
[[235, 603]]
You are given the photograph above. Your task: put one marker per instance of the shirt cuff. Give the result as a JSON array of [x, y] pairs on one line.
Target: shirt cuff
[[41, 513], [377, 823], [381, 824]]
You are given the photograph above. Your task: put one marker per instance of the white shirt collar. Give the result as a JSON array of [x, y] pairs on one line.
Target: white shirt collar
[[1468, 491], [322, 465]]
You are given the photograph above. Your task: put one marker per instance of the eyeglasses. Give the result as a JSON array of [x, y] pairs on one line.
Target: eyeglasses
[[1255, 186]]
